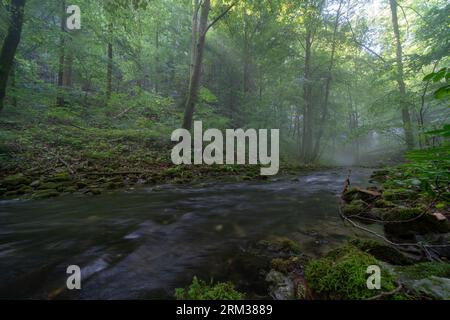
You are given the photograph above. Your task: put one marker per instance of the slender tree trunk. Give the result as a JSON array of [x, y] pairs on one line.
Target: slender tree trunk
[[246, 79], [109, 67], [10, 44], [307, 103], [157, 73], [327, 85], [194, 36], [409, 137], [60, 94], [68, 64], [13, 83], [194, 82]]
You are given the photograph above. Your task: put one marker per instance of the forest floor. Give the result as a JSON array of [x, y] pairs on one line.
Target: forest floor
[[55, 156]]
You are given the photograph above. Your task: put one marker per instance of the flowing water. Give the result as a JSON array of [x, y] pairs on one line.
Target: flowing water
[[143, 243]]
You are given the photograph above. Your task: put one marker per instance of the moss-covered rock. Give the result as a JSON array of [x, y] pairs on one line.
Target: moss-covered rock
[[382, 203], [24, 189], [43, 194], [398, 194], [381, 251], [284, 244], [70, 189], [355, 207], [290, 264], [402, 213], [59, 177], [342, 275], [16, 180]]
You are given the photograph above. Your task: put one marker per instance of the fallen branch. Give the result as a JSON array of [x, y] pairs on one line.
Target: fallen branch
[[386, 294]]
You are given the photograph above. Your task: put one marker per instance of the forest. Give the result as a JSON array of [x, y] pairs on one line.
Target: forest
[[91, 91]]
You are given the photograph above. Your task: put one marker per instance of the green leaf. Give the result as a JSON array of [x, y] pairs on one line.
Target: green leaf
[[428, 77], [442, 92], [439, 75]]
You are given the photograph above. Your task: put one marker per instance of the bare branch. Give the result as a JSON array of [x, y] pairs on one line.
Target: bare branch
[[362, 44], [220, 16]]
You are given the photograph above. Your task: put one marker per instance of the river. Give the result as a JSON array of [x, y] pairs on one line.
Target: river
[[143, 243]]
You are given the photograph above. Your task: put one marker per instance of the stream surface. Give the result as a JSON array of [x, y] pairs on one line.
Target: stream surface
[[144, 243]]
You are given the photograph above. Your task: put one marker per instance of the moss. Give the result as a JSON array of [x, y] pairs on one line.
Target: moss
[[42, 194], [401, 213], [200, 290], [24, 189], [59, 177], [382, 203], [398, 194], [71, 189], [286, 265], [288, 244], [342, 275], [16, 180], [354, 208]]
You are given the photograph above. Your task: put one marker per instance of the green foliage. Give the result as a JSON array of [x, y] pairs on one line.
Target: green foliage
[[430, 167], [200, 290], [443, 74]]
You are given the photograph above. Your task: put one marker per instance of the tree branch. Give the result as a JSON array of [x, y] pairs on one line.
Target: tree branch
[[363, 45], [219, 17]]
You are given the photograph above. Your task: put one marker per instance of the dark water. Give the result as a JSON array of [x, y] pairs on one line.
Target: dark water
[[143, 243]]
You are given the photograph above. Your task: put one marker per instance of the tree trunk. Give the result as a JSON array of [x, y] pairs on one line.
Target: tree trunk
[[67, 76], [13, 83], [109, 67], [60, 94], [409, 138], [157, 71], [194, 36], [307, 103], [327, 86], [194, 82], [10, 44]]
